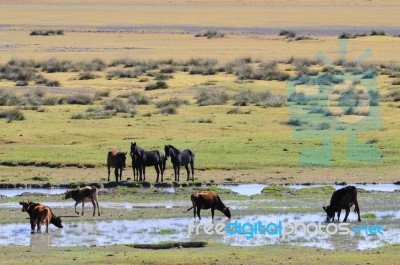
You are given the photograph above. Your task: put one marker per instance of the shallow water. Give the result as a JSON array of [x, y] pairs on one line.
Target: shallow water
[[146, 231], [242, 189]]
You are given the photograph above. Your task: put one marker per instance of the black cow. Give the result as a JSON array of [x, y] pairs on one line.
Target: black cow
[[343, 198]]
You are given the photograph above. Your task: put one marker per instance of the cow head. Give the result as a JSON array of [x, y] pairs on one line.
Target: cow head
[[329, 212], [227, 212], [122, 159], [67, 194], [25, 205], [56, 221]]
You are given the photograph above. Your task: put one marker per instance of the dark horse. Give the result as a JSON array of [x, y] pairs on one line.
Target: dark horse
[[135, 168], [180, 158], [116, 160], [145, 159]]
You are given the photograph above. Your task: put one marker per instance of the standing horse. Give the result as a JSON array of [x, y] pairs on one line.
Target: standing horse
[[145, 159], [135, 167], [117, 161], [180, 158]]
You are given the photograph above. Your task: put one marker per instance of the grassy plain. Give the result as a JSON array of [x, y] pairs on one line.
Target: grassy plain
[[254, 147]]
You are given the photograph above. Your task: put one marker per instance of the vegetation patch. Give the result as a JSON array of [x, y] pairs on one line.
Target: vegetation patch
[[46, 32]]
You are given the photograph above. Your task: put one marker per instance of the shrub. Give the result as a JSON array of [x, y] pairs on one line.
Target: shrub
[[52, 83], [79, 99], [172, 102], [377, 33], [299, 98], [157, 85], [119, 106], [201, 120], [237, 111], [138, 99], [54, 66], [101, 94], [122, 74], [323, 126], [168, 109], [12, 115], [287, 33], [274, 101], [21, 83], [345, 35], [202, 70], [92, 65], [209, 97], [97, 113], [8, 98], [167, 70], [86, 76], [46, 32], [211, 34], [396, 82]]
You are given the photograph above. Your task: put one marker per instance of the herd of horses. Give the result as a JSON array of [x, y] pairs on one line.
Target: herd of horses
[[142, 158]]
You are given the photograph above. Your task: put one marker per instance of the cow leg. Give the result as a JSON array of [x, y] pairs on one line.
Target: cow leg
[[198, 212], [158, 172], [94, 206], [357, 210], [212, 213], [32, 226], [194, 211], [83, 207], [338, 216], [38, 225], [347, 214], [116, 174], [47, 226], [188, 172], [75, 208], [98, 208]]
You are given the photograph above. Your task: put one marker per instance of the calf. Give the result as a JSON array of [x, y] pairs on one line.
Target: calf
[[342, 199], [82, 195], [40, 214], [207, 200]]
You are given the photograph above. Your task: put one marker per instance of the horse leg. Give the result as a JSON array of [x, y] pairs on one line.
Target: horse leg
[[108, 173], [178, 169], [144, 172], [120, 174], [192, 167], [188, 172], [158, 172], [162, 170]]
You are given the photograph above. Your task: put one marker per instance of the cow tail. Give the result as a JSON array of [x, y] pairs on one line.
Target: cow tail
[[190, 208]]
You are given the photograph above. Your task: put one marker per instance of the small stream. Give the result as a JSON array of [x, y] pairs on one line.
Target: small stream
[[146, 231], [241, 189]]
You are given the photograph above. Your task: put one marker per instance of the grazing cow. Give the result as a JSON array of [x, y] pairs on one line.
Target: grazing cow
[[116, 160], [40, 214], [207, 200], [343, 198], [82, 195], [180, 158]]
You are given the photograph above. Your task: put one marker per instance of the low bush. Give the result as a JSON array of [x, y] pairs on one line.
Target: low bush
[[212, 97]]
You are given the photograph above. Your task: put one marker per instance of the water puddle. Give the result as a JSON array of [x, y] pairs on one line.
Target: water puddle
[[153, 231], [119, 205], [241, 189]]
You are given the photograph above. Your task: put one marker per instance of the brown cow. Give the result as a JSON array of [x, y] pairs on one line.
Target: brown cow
[[343, 198], [207, 200], [82, 195], [40, 214]]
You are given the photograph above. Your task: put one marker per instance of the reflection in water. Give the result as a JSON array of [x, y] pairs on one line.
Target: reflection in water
[[153, 231]]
